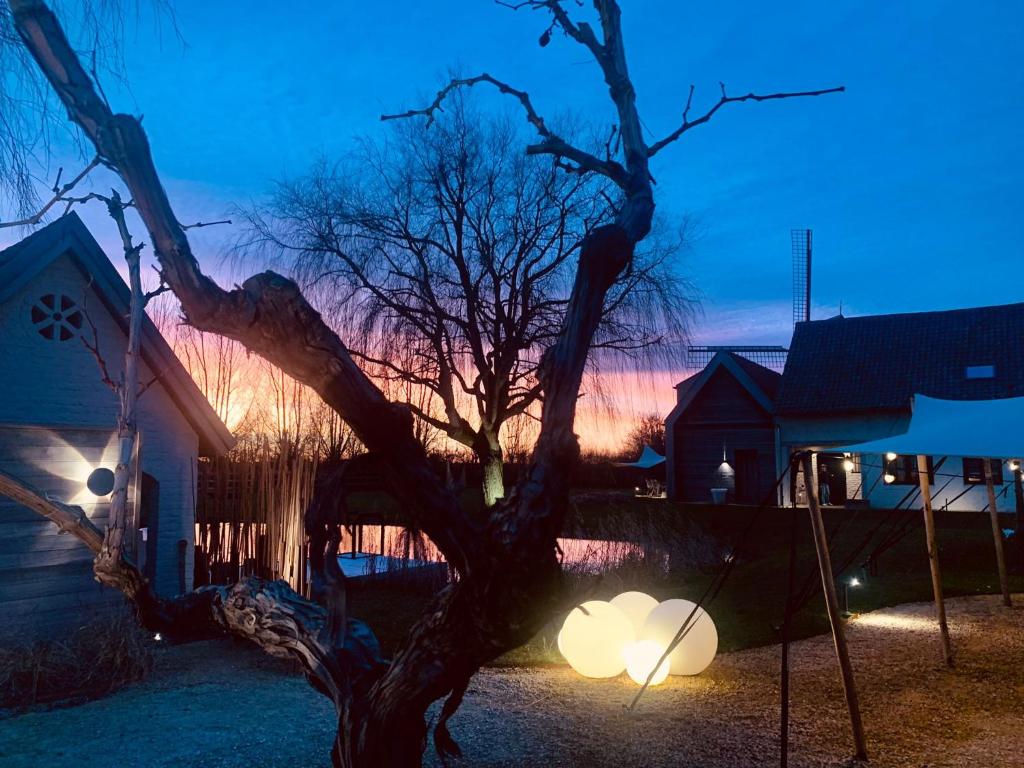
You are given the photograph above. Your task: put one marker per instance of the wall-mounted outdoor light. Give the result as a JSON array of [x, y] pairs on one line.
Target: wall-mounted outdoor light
[[100, 481]]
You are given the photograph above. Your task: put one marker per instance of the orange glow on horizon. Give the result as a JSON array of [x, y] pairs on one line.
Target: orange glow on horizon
[[262, 400]]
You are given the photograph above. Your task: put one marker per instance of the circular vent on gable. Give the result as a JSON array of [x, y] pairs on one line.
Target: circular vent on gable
[[57, 317]]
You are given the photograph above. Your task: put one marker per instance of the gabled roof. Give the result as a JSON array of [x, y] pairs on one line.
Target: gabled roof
[[762, 383], [21, 262], [877, 363]]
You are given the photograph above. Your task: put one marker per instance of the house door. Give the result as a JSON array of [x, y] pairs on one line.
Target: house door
[[832, 473], [748, 479]]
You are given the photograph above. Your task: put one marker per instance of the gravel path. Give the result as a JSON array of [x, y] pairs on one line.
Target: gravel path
[[208, 705]]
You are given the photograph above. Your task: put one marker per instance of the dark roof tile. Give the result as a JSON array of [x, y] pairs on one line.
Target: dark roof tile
[[878, 362]]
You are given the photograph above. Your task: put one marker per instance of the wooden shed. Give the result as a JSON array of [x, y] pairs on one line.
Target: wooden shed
[[721, 433], [58, 422]]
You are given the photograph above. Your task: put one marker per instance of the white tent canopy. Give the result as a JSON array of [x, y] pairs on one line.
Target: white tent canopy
[[649, 458], [983, 428]]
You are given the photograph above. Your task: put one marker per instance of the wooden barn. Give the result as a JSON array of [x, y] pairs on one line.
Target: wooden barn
[[57, 426], [721, 435]]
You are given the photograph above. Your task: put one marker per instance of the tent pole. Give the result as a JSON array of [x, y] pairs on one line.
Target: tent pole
[[933, 557], [1018, 523], [997, 533], [832, 604]]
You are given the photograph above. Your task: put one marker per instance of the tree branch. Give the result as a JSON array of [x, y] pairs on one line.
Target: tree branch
[[94, 347], [59, 195], [551, 143], [687, 124], [200, 224], [68, 518]]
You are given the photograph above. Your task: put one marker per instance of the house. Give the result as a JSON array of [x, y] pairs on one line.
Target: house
[[721, 433], [849, 380], [58, 425], [846, 381]]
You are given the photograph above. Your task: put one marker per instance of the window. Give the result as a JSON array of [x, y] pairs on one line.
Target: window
[[980, 372], [974, 471], [904, 470], [56, 317]]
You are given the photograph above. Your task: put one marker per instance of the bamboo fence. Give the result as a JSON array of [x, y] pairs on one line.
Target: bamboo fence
[[249, 516]]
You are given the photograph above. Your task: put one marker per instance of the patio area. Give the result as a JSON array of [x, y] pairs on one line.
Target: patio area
[[210, 707]]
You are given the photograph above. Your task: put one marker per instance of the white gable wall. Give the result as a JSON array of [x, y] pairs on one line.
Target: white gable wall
[[49, 383]]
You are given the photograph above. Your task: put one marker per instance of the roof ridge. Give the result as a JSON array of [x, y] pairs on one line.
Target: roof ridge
[[916, 313]]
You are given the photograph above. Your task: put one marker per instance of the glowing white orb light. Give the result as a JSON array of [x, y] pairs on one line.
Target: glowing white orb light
[[641, 657], [592, 639], [697, 649], [637, 606]]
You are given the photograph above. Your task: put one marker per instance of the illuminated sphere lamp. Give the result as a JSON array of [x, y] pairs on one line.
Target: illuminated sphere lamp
[[889, 477], [100, 481], [593, 637], [637, 606], [697, 649], [641, 657]]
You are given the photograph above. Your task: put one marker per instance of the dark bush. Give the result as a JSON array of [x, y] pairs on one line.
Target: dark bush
[[96, 659]]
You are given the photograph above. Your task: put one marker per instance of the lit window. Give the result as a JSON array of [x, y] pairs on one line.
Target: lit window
[[903, 470], [974, 471], [980, 372]]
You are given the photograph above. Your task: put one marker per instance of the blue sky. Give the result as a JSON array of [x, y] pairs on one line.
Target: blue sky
[[911, 180]]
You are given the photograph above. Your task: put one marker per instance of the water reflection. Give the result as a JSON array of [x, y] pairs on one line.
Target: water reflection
[[396, 546]]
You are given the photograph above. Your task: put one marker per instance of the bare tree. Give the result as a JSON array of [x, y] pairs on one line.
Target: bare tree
[[649, 431], [510, 580], [217, 365], [453, 254]]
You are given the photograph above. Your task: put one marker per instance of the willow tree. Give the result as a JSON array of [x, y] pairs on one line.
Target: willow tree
[[453, 254], [509, 577]]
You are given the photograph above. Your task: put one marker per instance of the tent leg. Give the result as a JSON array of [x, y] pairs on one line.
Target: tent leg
[[997, 534], [933, 557], [832, 604]]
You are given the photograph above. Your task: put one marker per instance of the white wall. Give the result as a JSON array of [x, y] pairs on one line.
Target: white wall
[[839, 430], [948, 484], [57, 384]]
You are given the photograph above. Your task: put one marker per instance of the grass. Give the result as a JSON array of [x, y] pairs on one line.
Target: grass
[[748, 610]]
